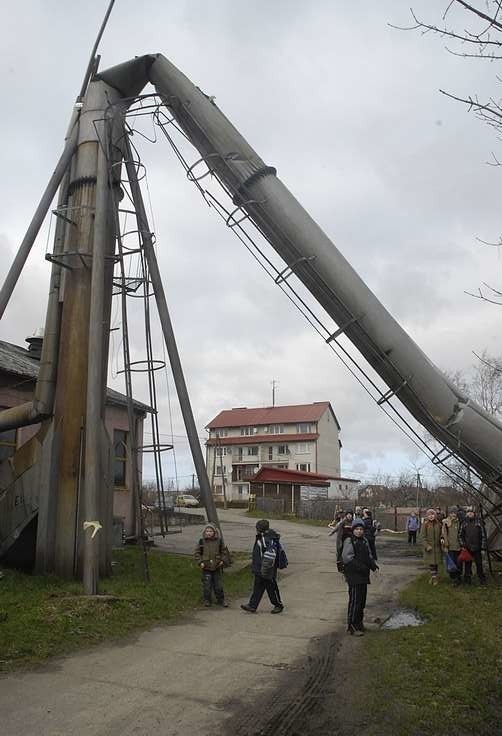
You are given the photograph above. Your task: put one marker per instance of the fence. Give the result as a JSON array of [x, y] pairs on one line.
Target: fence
[[270, 505], [317, 508], [394, 518]]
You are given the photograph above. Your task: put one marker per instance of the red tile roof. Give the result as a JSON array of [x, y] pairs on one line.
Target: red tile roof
[[259, 439], [243, 417], [283, 475]]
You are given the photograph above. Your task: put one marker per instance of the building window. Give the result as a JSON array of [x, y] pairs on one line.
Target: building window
[[304, 467], [119, 457], [340, 486], [218, 490], [270, 453], [222, 433], [283, 450], [276, 429], [8, 443], [240, 490], [219, 470], [253, 450], [303, 428], [302, 448]]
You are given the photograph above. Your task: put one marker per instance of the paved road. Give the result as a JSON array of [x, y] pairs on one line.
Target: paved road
[[206, 673]]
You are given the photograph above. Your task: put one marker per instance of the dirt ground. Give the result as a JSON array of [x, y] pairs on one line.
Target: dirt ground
[[325, 693], [220, 671]]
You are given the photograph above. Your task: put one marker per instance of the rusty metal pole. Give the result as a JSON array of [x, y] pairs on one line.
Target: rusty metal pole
[[37, 220], [170, 340], [95, 373]]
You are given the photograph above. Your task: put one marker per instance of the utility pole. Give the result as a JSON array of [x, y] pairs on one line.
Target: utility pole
[[274, 384], [219, 454], [419, 485]]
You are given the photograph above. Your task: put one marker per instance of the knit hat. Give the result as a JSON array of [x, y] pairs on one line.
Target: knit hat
[[453, 509], [357, 522], [262, 526]]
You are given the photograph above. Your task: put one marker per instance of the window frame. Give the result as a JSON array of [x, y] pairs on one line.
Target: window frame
[[120, 458]]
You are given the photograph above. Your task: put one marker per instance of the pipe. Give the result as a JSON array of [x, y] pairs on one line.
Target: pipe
[[37, 220], [33, 412], [411, 377], [95, 375]]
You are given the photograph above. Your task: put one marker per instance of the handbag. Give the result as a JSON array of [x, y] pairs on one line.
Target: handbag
[[450, 564], [464, 555]]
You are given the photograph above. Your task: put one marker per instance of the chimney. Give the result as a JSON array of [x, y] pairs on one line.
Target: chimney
[[35, 343]]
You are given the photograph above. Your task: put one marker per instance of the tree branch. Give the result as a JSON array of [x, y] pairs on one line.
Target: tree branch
[[493, 23]]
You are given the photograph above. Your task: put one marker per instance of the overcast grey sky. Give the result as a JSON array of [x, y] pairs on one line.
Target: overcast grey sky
[[348, 110]]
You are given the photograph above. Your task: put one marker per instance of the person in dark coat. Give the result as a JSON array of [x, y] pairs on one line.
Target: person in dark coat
[[265, 551], [369, 532], [471, 537], [357, 563]]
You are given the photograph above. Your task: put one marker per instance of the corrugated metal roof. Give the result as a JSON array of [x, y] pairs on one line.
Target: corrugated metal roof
[[18, 362], [244, 417], [283, 475]]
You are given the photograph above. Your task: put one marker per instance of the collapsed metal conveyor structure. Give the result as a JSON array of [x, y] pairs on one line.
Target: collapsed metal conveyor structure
[[87, 246]]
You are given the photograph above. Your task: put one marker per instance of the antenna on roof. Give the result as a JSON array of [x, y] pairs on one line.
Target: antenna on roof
[[274, 384]]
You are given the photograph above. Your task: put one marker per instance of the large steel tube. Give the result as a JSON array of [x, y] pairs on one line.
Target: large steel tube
[[95, 373], [37, 220], [406, 370]]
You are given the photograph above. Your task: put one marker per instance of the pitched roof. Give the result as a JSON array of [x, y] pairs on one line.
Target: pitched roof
[[269, 474], [244, 417], [18, 362], [267, 439]]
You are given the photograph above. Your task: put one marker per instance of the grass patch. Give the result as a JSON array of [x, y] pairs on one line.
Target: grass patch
[[441, 678], [46, 617]]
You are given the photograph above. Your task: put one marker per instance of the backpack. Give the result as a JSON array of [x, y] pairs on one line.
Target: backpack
[[268, 562], [282, 558]]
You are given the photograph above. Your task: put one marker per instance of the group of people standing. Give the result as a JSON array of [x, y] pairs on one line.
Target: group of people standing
[[457, 538]]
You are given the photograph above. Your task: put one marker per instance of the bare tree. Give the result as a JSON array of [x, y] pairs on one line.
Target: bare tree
[[483, 382], [481, 39]]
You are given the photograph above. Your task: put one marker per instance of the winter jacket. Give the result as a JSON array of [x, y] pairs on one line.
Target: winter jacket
[[412, 524], [212, 552], [369, 527], [431, 538], [263, 541], [357, 561], [451, 530], [471, 535]]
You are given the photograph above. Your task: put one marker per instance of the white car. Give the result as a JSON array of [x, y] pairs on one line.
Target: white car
[[186, 500]]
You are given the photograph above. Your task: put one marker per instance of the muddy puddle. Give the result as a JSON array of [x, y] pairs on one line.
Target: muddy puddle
[[403, 617]]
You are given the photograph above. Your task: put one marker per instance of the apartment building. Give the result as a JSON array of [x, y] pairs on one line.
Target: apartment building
[[303, 438]]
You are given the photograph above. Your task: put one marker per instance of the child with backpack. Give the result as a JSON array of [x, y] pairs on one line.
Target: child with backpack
[[268, 557], [211, 556], [357, 563]]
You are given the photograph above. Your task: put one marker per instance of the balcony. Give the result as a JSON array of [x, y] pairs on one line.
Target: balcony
[[244, 459], [243, 472]]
